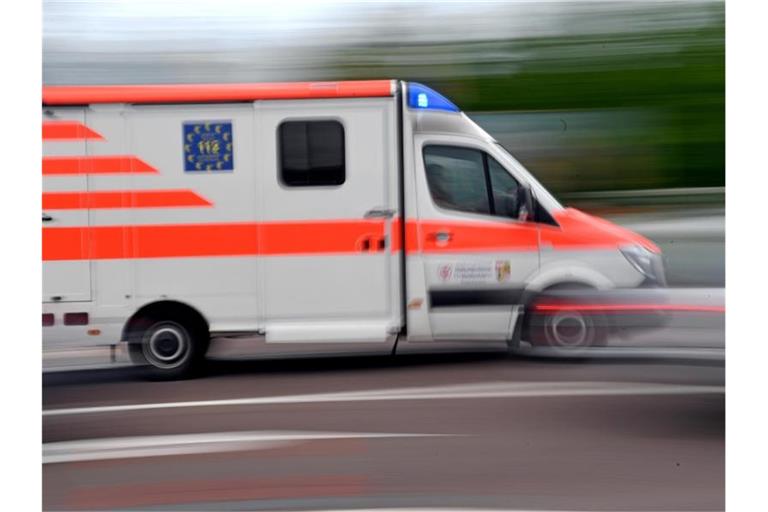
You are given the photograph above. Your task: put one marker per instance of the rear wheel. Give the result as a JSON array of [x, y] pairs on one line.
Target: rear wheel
[[169, 348]]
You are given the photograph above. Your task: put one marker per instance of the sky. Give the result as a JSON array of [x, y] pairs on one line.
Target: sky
[[98, 41]]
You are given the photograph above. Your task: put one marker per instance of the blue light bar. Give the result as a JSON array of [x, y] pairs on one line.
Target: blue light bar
[[422, 97]]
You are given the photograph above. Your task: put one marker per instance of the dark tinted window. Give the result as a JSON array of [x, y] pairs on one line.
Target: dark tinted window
[[459, 179], [456, 178], [311, 153], [505, 190]]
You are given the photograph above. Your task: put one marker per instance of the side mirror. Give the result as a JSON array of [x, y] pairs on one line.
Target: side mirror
[[525, 202]]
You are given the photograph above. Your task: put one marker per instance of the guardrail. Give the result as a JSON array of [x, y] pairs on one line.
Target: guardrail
[[651, 192], [705, 196]]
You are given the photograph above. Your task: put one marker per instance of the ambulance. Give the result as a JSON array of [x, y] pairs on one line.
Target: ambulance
[[308, 218]]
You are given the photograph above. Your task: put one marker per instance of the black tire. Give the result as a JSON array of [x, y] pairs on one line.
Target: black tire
[[567, 331], [168, 348]]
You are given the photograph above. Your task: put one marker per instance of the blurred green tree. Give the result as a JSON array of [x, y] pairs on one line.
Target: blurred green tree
[[676, 73]]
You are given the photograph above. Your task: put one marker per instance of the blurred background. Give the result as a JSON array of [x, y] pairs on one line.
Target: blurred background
[[617, 107]]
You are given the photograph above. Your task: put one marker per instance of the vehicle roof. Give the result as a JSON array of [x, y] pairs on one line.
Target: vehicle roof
[[430, 121], [209, 93]]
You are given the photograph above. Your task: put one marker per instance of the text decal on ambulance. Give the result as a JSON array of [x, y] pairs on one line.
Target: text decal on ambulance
[[497, 271], [208, 146]]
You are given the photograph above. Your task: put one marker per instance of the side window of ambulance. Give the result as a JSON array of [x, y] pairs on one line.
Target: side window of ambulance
[[456, 178], [311, 153], [505, 190], [459, 178]]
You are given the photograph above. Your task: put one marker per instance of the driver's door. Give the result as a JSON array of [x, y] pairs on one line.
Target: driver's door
[[477, 253]]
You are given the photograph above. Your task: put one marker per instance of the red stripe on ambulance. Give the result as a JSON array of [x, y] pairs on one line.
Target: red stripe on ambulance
[[285, 238], [69, 165], [122, 199], [226, 239], [68, 130], [206, 93]]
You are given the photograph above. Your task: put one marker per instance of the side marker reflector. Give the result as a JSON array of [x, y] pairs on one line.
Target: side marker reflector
[[75, 318]]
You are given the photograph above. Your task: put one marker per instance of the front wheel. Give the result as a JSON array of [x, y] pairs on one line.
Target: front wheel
[[168, 349], [567, 331]]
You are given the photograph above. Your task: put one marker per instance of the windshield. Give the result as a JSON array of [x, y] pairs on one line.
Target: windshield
[[542, 194]]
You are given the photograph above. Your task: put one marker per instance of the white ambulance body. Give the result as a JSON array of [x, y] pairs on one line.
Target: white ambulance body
[[353, 217]]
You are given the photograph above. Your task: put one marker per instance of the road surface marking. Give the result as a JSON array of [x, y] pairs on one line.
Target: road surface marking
[[185, 444], [443, 509], [447, 508], [478, 390], [712, 354]]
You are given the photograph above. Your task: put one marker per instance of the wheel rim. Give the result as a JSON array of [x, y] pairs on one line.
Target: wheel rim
[[568, 330], [166, 345]]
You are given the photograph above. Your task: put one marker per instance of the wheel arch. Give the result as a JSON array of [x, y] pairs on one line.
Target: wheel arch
[[581, 278], [576, 275], [164, 309]]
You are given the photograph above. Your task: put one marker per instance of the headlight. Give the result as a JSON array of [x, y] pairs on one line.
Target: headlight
[[644, 261]]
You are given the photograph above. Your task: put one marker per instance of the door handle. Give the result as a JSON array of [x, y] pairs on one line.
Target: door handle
[[379, 213], [373, 243], [46, 217], [440, 237]]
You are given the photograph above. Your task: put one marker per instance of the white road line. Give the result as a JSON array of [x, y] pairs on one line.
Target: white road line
[[480, 390], [437, 509], [713, 354], [184, 444], [447, 509]]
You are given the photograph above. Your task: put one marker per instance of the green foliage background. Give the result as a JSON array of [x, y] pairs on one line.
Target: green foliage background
[[675, 75]]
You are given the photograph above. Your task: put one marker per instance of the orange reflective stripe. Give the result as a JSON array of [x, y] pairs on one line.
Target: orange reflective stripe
[[395, 244], [201, 93], [63, 165], [122, 199], [411, 236], [477, 236], [282, 238], [65, 244], [320, 237], [121, 242], [579, 231], [231, 239], [67, 130], [276, 238]]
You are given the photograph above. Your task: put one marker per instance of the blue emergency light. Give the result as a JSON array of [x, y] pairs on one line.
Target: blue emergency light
[[422, 97]]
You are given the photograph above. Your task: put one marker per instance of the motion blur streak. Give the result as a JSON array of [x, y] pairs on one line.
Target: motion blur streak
[[622, 94], [616, 107], [486, 390], [158, 446], [523, 452], [629, 307]]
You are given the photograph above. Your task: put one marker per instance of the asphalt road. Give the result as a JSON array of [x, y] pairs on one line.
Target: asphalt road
[[410, 432]]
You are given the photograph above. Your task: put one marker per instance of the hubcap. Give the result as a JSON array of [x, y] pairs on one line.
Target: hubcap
[[569, 329], [166, 346]]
